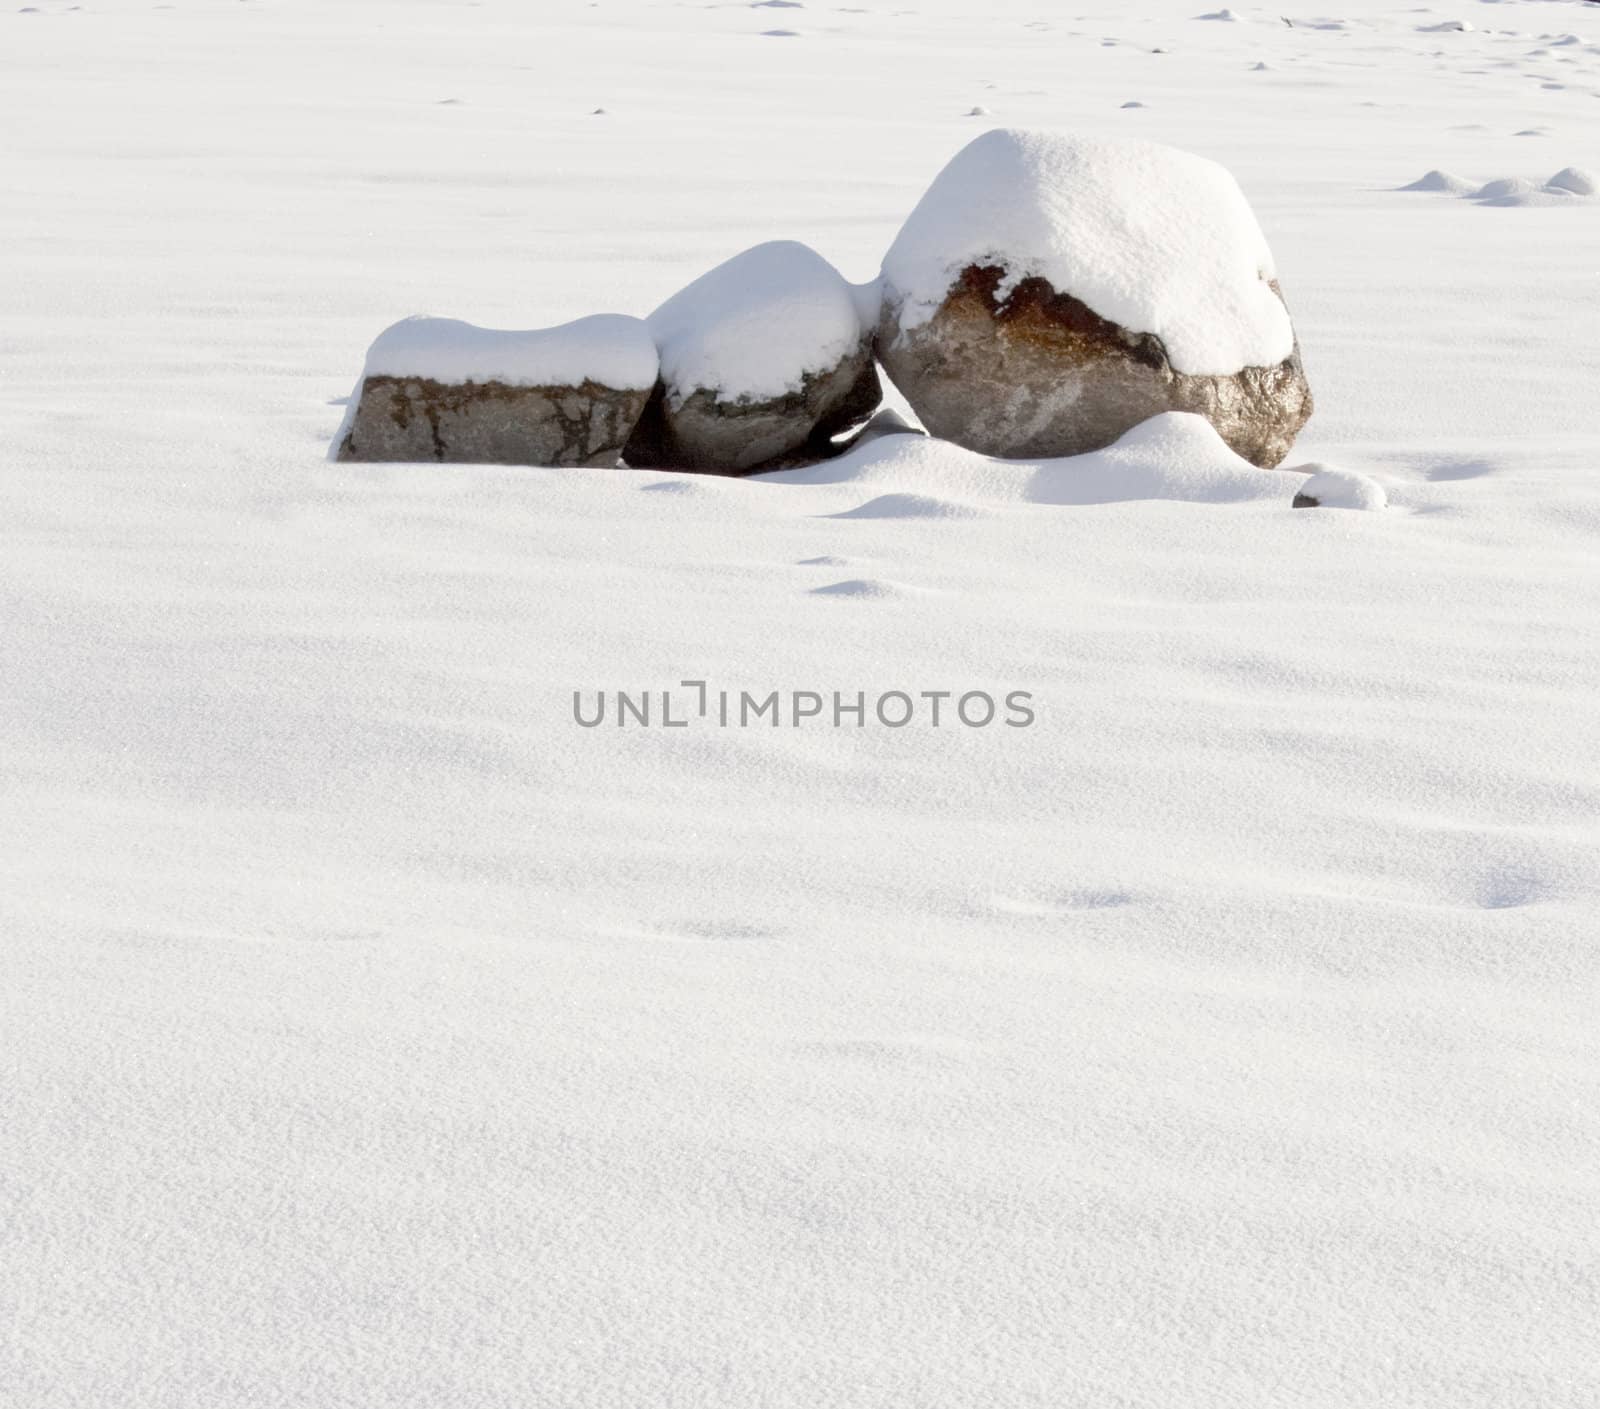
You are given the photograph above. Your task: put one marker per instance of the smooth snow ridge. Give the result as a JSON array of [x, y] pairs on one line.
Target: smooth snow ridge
[[1150, 237], [608, 348], [757, 324]]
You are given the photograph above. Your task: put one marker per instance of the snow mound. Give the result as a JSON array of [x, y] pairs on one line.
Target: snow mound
[[1539, 196], [1175, 456], [911, 506], [757, 324], [1447, 27], [1329, 488], [1574, 179], [1567, 185], [1504, 187], [869, 588], [1150, 237], [1445, 181], [608, 348]]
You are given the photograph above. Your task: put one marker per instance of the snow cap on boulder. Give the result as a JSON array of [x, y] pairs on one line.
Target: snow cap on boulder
[[608, 348], [764, 353], [1153, 239]]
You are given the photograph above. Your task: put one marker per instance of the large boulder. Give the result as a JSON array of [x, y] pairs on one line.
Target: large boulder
[[763, 361], [1050, 293], [438, 389]]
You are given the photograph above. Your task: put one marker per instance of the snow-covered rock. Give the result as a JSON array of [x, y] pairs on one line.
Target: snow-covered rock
[[1049, 293], [440, 389], [1329, 488], [765, 354]]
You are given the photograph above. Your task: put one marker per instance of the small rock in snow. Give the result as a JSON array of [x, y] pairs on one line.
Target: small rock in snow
[[1328, 488]]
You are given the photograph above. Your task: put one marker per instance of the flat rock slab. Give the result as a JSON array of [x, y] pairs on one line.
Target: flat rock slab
[[443, 390], [405, 418]]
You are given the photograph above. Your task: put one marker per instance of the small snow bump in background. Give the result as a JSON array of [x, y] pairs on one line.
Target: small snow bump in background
[[1570, 185], [1444, 181], [860, 589], [1574, 179]]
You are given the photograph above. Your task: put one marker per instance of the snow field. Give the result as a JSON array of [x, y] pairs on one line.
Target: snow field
[[371, 1034]]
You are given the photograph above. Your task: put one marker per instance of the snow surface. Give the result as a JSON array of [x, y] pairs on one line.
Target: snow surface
[[608, 348], [757, 324], [1153, 238], [371, 1035]]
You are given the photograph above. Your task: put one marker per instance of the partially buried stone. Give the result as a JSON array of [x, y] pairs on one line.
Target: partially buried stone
[[442, 390], [1050, 293], [764, 360], [1329, 488]]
